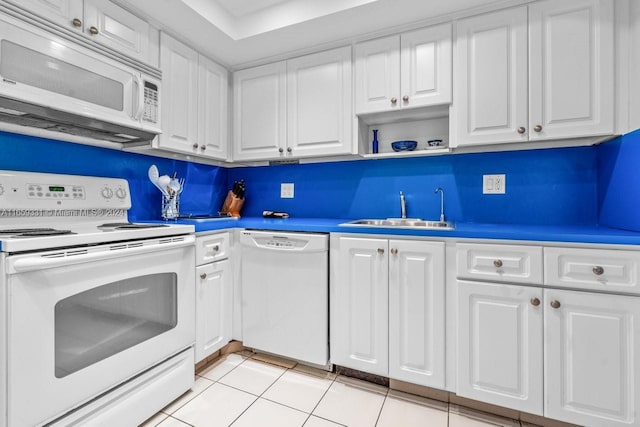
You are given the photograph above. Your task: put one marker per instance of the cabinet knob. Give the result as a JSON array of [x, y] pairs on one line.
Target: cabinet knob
[[380, 251], [497, 263], [521, 130], [289, 149], [405, 98], [394, 251], [555, 303], [203, 276], [394, 100], [281, 150], [76, 23], [203, 147], [535, 302], [537, 128], [598, 270], [216, 248], [93, 30], [195, 145]]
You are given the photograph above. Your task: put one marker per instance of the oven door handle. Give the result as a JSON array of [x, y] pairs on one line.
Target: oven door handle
[[33, 263]]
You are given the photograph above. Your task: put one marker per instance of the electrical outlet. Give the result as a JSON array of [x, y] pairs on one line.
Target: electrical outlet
[[494, 184], [286, 190]]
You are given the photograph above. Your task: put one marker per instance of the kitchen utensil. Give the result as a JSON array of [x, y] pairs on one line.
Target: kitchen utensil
[[163, 184], [154, 175], [404, 145], [434, 143]]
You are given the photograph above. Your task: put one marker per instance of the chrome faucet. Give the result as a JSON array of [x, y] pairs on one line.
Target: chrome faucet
[[441, 191], [403, 206]]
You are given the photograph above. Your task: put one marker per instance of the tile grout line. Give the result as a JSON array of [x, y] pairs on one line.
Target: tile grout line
[[386, 395], [320, 400]]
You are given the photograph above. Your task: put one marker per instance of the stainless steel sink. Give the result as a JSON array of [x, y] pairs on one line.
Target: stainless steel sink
[[412, 223]]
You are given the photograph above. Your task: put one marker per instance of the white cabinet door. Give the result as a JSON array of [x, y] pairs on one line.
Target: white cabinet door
[[213, 307], [259, 114], [571, 68], [213, 96], [359, 305], [417, 312], [491, 100], [319, 104], [377, 75], [426, 66], [592, 348], [500, 345], [66, 13], [115, 27], [179, 64]]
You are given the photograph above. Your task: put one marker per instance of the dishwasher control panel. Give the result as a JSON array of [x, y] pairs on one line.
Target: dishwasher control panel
[[284, 241]]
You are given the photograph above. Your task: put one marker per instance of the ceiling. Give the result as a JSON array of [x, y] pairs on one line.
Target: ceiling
[[240, 33]]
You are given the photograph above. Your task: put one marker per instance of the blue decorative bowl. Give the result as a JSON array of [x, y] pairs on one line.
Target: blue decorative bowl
[[404, 145]]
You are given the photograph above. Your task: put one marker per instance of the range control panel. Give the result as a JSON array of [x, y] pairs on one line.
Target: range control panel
[[33, 190]]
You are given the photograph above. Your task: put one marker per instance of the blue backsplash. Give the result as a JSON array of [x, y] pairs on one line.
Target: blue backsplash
[[564, 186]]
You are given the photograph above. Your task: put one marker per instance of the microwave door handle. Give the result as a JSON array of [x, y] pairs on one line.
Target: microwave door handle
[[140, 106]]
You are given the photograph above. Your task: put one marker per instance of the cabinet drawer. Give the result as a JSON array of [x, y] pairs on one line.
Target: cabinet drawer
[[211, 248], [592, 269], [499, 263]]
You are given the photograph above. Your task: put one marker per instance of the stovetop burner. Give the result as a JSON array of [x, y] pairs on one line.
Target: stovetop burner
[[35, 232], [128, 226]]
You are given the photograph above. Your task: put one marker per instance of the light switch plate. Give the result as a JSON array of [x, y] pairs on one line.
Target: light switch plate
[[494, 184], [286, 190]]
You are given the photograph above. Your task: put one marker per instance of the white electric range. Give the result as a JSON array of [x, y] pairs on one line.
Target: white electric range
[[98, 324]]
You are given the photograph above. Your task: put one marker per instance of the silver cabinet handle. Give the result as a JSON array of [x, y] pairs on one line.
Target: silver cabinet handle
[[93, 31], [203, 276], [405, 98], [289, 149], [598, 270], [497, 263], [394, 100], [380, 251], [76, 23], [281, 150], [203, 147], [537, 128], [521, 130], [535, 302], [394, 251], [195, 145], [555, 303], [216, 248]]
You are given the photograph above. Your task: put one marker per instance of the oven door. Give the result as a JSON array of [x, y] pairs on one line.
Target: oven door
[[84, 321]]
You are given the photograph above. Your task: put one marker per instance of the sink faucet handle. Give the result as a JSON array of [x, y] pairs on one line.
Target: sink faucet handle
[[403, 206]]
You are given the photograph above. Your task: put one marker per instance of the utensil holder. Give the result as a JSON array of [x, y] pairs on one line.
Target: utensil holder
[[232, 205], [170, 206]]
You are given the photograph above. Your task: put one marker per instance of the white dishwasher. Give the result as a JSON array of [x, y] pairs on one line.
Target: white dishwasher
[[285, 294]]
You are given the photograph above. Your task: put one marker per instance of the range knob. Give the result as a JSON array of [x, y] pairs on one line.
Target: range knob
[[107, 193], [120, 193]]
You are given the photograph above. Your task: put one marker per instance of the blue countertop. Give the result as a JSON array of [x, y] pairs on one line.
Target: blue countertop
[[570, 234]]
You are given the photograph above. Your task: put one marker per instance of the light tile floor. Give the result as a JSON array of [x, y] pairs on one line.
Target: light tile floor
[[240, 391]]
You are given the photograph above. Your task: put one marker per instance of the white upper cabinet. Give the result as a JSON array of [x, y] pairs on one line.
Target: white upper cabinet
[[540, 72], [571, 69], [260, 112], [194, 102], [405, 71], [101, 21], [297, 108], [319, 104], [490, 101]]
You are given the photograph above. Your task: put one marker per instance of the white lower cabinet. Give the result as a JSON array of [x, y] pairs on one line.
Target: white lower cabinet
[[387, 308], [214, 294], [592, 349], [500, 345], [568, 355]]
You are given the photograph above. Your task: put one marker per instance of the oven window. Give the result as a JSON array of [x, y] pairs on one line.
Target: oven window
[[98, 323]]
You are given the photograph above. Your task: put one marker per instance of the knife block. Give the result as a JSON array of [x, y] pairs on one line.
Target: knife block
[[232, 205]]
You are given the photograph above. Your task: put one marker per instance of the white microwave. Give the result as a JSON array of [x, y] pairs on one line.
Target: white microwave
[[49, 82]]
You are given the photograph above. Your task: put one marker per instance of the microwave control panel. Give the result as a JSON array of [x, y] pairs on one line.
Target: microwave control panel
[[150, 103]]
